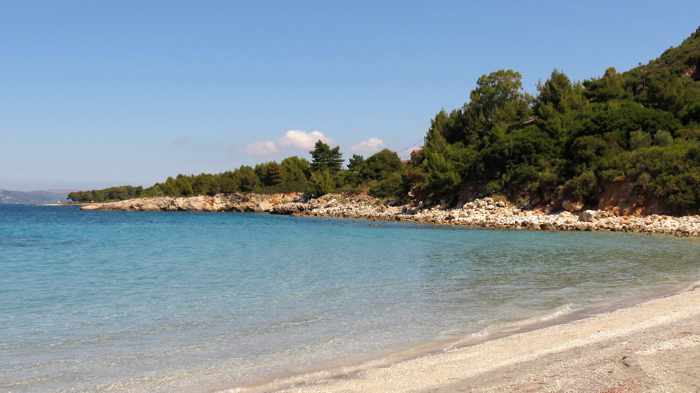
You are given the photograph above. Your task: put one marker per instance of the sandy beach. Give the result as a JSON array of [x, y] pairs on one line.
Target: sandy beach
[[650, 347]]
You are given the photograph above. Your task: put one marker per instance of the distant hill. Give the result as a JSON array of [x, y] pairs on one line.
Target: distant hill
[[30, 197], [680, 60]]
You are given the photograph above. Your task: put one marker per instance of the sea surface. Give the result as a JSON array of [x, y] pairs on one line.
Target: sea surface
[[197, 302]]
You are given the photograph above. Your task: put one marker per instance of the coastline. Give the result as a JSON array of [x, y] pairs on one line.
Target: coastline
[[612, 348], [646, 346], [486, 213], [452, 339]]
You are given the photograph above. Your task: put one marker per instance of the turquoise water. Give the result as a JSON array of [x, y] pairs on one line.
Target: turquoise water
[[185, 302]]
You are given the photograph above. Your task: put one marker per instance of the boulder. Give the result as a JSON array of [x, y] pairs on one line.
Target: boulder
[[572, 206], [590, 215]]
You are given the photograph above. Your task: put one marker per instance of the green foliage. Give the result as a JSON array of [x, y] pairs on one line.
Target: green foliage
[[229, 182], [638, 129], [639, 139], [205, 184], [582, 187], [573, 141], [381, 165], [670, 174], [183, 185], [663, 138], [321, 183], [691, 114], [354, 176], [107, 194], [269, 174], [559, 95], [248, 179], [324, 158], [610, 87], [498, 99], [389, 186], [295, 172], [681, 60], [442, 175]]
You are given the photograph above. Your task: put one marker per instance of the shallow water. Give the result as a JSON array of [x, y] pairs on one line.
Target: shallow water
[[169, 302]]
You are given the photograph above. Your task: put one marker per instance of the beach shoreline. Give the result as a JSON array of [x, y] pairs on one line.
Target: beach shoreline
[[649, 344], [619, 350], [361, 368], [488, 213]]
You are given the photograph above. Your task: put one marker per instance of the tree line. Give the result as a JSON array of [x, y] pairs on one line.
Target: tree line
[[379, 175], [632, 135]]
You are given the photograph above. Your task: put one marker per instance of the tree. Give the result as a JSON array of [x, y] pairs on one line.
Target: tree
[[321, 183], [269, 174], [637, 130], [183, 186], [610, 87], [205, 184], [248, 179], [381, 165], [170, 187], [323, 157], [388, 187], [295, 172], [356, 165], [229, 182], [497, 100], [559, 94]]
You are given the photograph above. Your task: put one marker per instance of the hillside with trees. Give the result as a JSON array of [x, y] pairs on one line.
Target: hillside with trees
[[629, 139]]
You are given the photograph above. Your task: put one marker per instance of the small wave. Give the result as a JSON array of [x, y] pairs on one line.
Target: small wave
[[693, 286], [469, 339], [556, 313], [506, 328]]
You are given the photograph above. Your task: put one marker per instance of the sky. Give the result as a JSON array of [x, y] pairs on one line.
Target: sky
[[94, 94]]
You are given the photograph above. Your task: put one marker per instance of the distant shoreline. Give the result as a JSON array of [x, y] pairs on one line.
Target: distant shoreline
[[481, 213]]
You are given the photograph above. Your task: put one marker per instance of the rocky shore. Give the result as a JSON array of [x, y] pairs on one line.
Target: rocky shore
[[480, 213], [237, 202]]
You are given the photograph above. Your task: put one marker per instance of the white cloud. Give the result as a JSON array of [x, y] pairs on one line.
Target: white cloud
[[291, 140], [303, 140], [262, 148], [368, 146]]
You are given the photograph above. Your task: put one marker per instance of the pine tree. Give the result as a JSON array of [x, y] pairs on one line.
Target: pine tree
[[323, 157]]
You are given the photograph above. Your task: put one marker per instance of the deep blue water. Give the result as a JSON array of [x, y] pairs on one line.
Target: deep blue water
[[169, 302]]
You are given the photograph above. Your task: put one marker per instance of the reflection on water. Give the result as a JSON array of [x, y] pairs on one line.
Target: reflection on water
[[168, 302]]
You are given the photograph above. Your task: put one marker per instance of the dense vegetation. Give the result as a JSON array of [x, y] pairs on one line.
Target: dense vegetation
[[380, 175], [631, 138]]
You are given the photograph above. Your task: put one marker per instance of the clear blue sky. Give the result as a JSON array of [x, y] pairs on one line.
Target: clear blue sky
[[96, 93]]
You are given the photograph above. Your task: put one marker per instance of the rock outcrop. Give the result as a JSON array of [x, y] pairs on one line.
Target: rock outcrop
[[480, 213], [237, 202], [491, 213]]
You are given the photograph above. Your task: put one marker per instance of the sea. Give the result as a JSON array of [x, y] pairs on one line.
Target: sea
[[204, 302]]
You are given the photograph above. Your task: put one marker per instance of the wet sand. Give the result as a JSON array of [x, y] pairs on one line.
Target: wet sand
[[649, 347]]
